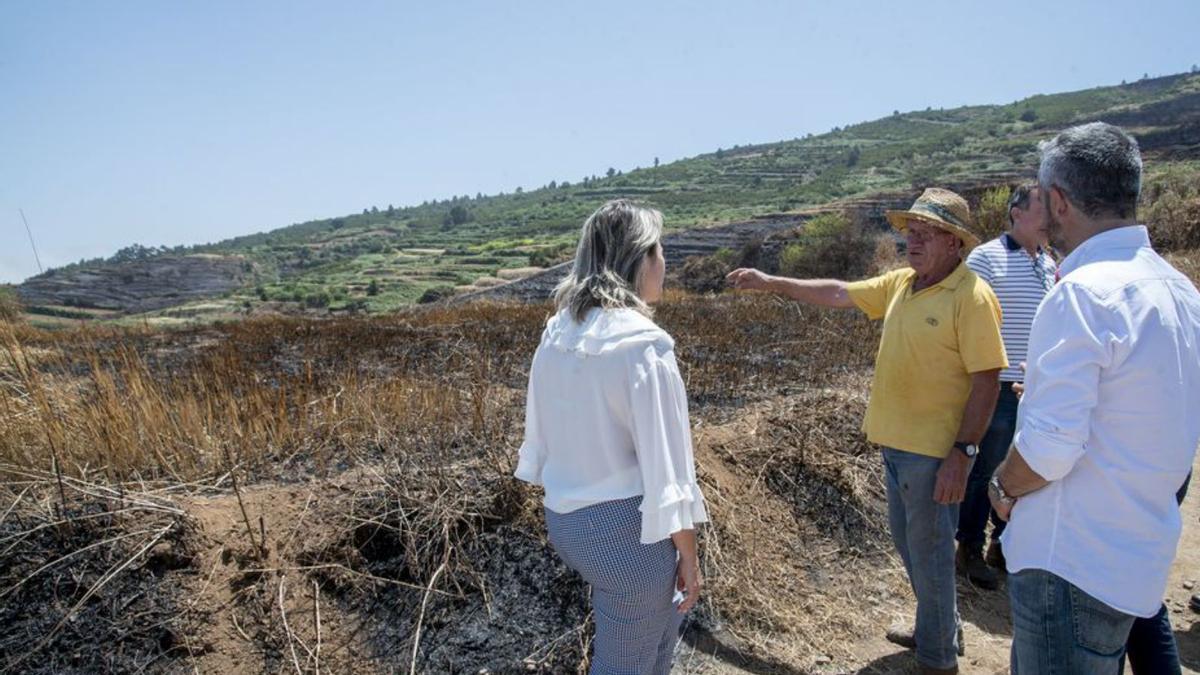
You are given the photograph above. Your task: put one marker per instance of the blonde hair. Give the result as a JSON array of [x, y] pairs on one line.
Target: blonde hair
[[613, 244]]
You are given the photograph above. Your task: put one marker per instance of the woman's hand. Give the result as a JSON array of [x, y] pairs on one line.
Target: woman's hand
[[688, 580]]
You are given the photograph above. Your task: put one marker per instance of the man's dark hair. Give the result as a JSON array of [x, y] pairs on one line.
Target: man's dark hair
[[1019, 199]]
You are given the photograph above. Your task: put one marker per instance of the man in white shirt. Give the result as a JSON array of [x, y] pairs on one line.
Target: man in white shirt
[[1107, 428]]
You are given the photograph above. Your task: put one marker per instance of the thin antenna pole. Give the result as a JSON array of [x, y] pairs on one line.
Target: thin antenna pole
[[31, 244]]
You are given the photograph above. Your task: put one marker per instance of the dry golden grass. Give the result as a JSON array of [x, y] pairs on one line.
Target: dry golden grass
[[191, 404]]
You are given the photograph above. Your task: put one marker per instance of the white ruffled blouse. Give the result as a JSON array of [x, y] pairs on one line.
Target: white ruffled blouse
[[606, 418]]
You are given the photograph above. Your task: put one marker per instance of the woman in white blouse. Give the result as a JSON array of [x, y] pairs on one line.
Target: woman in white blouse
[[607, 436]]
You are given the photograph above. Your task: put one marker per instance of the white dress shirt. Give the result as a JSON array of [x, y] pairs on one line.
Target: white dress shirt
[[1111, 417], [606, 418]]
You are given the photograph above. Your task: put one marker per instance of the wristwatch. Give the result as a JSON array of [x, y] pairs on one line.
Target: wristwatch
[[968, 449], [998, 490]]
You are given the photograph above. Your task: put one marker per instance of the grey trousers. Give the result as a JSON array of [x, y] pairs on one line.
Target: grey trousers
[[633, 585]]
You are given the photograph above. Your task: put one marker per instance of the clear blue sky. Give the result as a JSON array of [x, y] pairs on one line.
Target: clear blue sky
[[178, 123]]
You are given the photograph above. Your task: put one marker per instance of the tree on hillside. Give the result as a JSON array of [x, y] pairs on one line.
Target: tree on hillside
[[458, 215], [1029, 115], [135, 252], [656, 159], [611, 172], [373, 288], [853, 155]]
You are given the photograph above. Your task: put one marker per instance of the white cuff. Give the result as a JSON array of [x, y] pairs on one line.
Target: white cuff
[[1049, 452], [529, 465], [673, 508]]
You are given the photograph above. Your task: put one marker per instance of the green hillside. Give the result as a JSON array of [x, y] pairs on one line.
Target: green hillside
[[385, 257]]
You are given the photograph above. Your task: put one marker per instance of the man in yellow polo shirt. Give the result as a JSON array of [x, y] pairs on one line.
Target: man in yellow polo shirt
[[937, 377]]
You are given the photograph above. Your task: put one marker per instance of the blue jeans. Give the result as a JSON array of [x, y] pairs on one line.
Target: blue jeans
[[973, 515], [923, 532], [1151, 647], [1059, 629]]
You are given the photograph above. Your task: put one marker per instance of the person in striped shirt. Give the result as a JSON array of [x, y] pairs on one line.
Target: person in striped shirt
[[1020, 269]]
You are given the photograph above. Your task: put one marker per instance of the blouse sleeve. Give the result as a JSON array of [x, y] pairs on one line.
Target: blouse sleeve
[[532, 455], [662, 439]]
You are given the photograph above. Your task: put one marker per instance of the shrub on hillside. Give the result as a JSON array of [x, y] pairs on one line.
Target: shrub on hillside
[[991, 214], [552, 255], [435, 293], [317, 299], [886, 256], [10, 306], [1171, 209], [832, 245], [706, 274]]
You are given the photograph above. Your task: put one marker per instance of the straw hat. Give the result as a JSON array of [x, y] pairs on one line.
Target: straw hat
[[940, 208]]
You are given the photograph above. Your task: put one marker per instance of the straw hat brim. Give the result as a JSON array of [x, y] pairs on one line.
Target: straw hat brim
[[899, 220]]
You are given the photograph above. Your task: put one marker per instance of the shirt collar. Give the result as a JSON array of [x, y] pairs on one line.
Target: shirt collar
[[951, 281], [1011, 243], [955, 278], [1094, 248]]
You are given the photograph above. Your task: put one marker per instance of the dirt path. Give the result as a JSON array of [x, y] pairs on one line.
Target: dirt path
[[988, 629]]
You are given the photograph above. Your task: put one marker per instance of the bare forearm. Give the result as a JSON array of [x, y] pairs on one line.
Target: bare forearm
[[1017, 477], [685, 543], [823, 292], [985, 390]]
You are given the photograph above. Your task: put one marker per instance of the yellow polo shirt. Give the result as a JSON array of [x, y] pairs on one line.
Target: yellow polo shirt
[[932, 342]]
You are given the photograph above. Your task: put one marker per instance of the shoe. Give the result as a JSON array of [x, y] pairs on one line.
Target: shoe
[[995, 557], [904, 635], [926, 670], [1194, 603], [970, 562]]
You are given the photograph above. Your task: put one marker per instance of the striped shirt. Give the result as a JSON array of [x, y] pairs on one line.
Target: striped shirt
[[1020, 282]]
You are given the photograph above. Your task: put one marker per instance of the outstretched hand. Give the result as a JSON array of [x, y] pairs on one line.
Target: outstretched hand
[[748, 279]]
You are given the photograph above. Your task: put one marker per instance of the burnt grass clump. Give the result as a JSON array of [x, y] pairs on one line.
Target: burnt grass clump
[[92, 587], [454, 560], [826, 470]]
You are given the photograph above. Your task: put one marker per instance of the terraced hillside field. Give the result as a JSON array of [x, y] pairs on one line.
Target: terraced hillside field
[[388, 257]]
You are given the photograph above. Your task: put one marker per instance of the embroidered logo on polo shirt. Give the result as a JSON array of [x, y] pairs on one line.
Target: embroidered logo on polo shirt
[[931, 321]]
